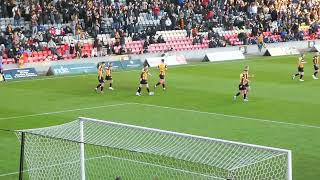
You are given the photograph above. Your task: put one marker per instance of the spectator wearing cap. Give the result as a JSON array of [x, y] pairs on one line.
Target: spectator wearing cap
[[168, 23]]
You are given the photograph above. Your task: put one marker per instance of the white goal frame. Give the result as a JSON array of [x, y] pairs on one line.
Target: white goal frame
[[82, 143]]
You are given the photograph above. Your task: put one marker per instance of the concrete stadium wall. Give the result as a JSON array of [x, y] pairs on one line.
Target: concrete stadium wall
[[195, 55]]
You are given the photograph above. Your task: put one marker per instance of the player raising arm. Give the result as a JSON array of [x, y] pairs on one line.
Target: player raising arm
[[144, 81], [109, 75], [315, 61], [300, 72], [162, 72], [100, 77]]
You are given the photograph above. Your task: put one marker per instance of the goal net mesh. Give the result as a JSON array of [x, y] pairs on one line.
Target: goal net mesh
[[118, 150]]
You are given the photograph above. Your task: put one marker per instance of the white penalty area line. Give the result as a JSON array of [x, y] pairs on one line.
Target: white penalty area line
[[64, 111], [232, 116]]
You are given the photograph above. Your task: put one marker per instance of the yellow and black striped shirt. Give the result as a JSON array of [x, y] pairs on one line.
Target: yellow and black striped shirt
[[301, 62], [162, 68], [109, 71], [315, 60], [144, 75], [100, 71], [244, 78]]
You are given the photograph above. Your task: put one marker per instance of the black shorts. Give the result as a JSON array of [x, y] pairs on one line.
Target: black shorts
[[108, 78], [300, 69], [161, 76], [100, 79], [143, 82], [316, 67], [242, 87]]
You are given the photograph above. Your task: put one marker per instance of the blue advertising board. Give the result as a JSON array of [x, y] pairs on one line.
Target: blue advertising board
[[73, 69], [19, 73], [131, 64]]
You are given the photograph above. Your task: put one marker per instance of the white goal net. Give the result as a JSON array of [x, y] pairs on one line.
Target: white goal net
[[95, 149]]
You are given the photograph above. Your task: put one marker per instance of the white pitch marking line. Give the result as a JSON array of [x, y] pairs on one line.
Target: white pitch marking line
[[9, 174], [232, 116], [63, 111]]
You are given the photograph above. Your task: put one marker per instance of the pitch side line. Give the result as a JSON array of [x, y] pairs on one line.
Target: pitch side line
[[126, 71], [62, 77], [231, 116], [64, 111]]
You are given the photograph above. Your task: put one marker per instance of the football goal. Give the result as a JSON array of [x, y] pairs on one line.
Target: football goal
[[95, 149]]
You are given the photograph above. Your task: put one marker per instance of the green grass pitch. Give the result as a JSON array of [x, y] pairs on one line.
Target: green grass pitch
[[280, 113]]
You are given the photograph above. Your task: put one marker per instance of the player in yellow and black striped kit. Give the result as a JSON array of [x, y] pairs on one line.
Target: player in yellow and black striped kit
[[315, 61], [300, 72], [162, 72], [244, 84], [109, 75], [100, 77], [144, 81]]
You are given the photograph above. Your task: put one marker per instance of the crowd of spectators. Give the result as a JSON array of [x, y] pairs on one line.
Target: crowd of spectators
[[87, 18]]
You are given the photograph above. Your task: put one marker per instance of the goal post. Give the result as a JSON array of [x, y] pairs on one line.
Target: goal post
[[95, 149]]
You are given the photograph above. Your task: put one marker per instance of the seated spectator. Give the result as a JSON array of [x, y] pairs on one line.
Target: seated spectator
[[117, 39], [146, 44], [72, 48], [145, 50], [194, 32], [160, 39], [53, 48], [210, 34], [36, 46], [122, 39], [222, 43], [109, 51], [201, 37], [212, 43], [152, 40], [195, 40], [168, 23], [122, 50], [9, 29], [78, 48]]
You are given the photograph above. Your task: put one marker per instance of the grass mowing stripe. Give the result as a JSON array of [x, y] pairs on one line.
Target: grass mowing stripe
[[232, 116], [117, 158], [166, 107], [63, 111]]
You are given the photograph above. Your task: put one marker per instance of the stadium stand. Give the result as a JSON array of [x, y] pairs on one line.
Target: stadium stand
[[97, 28]]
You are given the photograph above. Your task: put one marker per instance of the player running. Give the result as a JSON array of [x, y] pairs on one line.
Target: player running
[[162, 72], [100, 77], [315, 61], [144, 81], [300, 72], [244, 84], [109, 75]]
